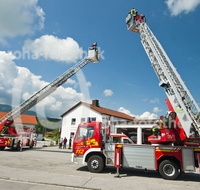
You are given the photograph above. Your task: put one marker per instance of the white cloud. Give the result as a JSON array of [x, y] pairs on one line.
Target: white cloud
[[108, 92], [148, 115], [18, 83], [89, 84], [123, 110], [41, 14], [155, 100], [71, 82], [52, 48], [178, 6], [156, 110], [145, 116], [20, 17]]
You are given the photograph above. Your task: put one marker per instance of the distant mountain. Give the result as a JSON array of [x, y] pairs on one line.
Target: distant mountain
[[51, 123], [5, 108], [8, 108]]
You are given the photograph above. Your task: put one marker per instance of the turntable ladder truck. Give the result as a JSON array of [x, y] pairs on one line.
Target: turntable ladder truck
[[9, 136], [169, 160], [183, 103]]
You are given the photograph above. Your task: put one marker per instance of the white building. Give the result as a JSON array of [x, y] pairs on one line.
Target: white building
[[81, 111]]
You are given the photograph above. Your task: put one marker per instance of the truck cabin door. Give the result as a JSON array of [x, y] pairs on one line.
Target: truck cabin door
[[84, 139]]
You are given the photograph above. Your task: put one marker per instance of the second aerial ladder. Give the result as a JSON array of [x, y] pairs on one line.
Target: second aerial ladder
[[7, 120], [180, 97]]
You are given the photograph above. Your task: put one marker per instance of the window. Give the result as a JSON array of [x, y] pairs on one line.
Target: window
[[126, 141], [93, 118], [85, 132], [73, 121], [72, 135], [82, 120], [116, 140]]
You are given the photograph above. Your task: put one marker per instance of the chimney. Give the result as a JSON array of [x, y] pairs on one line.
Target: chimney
[[95, 103]]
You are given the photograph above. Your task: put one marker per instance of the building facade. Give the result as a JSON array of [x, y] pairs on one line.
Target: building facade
[[81, 111]]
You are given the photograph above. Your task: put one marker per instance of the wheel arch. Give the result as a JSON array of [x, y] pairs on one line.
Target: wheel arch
[[95, 153], [172, 158]]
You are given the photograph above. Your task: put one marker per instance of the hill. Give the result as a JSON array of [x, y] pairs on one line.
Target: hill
[[48, 123], [8, 108]]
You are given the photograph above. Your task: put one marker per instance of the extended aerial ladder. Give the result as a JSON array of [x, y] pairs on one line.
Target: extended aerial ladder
[[93, 56], [183, 103]]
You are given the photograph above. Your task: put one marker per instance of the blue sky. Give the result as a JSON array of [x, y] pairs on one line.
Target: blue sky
[[39, 40]]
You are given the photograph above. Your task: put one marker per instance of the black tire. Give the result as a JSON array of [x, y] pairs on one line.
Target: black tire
[[2, 147], [32, 144], [18, 147], [13, 143], [95, 164], [168, 169]]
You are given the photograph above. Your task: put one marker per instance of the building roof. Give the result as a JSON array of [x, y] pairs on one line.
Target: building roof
[[25, 119], [102, 110], [49, 133]]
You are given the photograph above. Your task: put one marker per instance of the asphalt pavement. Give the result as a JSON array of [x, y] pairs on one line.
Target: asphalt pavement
[[51, 168]]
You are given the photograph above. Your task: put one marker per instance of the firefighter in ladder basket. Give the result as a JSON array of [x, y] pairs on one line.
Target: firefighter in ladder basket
[[156, 129], [94, 46], [134, 14]]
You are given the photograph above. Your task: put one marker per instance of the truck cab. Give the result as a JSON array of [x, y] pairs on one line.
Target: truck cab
[[95, 138]]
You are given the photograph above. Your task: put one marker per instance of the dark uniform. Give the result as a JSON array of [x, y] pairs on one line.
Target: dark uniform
[[134, 13]]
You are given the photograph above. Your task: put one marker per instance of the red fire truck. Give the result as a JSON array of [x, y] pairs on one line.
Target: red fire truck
[[178, 148], [12, 137], [93, 144], [25, 138]]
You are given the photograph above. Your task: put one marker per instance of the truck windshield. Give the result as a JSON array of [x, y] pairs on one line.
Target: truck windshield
[[85, 132]]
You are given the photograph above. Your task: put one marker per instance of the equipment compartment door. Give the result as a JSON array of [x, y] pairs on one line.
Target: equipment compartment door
[[139, 157], [188, 159]]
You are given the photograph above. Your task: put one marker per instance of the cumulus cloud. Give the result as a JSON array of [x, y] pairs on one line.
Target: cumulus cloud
[[123, 110], [176, 7], [155, 100], [108, 92], [18, 83], [50, 47], [89, 84], [145, 116], [20, 17], [148, 115], [156, 110]]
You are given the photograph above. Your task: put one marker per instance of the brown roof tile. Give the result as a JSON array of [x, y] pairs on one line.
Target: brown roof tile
[[25, 119], [102, 110]]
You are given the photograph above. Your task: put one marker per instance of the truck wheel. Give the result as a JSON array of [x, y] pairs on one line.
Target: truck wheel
[[13, 144], [32, 144], [95, 164], [2, 147], [168, 169], [18, 147]]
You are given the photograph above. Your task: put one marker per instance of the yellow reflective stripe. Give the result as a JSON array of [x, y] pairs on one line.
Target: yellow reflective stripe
[[158, 150], [197, 149], [192, 143]]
